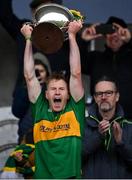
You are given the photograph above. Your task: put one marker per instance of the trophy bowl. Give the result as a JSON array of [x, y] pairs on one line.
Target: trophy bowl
[[50, 30]]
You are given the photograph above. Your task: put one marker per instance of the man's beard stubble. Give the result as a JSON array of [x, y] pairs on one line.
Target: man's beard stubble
[[105, 107]]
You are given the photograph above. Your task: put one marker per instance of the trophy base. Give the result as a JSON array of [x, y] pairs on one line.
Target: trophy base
[[47, 37]]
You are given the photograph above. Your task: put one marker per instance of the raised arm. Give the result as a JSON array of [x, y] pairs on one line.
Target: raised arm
[[76, 87], [9, 20], [33, 84]]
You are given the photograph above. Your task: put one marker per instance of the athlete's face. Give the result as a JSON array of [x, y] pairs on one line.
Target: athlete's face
[[57, 94]]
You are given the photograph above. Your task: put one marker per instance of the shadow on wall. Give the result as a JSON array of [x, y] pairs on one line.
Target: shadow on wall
[[8, 67]]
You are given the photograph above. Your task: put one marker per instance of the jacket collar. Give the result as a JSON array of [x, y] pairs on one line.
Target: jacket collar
[[96, 117]]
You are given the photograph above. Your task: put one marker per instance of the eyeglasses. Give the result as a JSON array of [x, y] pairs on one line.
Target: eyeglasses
[[106, 93]]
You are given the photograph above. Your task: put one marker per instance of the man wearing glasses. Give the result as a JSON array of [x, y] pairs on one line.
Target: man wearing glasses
[[107, 145]]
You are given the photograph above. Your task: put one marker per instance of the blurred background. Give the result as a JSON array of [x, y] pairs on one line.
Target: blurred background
[[93, 10]]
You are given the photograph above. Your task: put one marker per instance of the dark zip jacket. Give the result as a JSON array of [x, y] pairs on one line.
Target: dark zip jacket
[[103, 158]]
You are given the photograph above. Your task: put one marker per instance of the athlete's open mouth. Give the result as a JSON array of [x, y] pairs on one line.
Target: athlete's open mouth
[[57, 100]]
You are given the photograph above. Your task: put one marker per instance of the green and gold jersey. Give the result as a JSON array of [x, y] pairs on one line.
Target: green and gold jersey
[[57, 139]]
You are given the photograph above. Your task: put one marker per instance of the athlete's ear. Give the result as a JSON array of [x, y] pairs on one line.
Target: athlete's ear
[[46, 94], [68, 96]]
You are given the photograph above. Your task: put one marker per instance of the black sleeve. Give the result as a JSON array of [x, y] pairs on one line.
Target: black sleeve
[[84, 53], [8, 19], [20, 102], [125, 147]]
